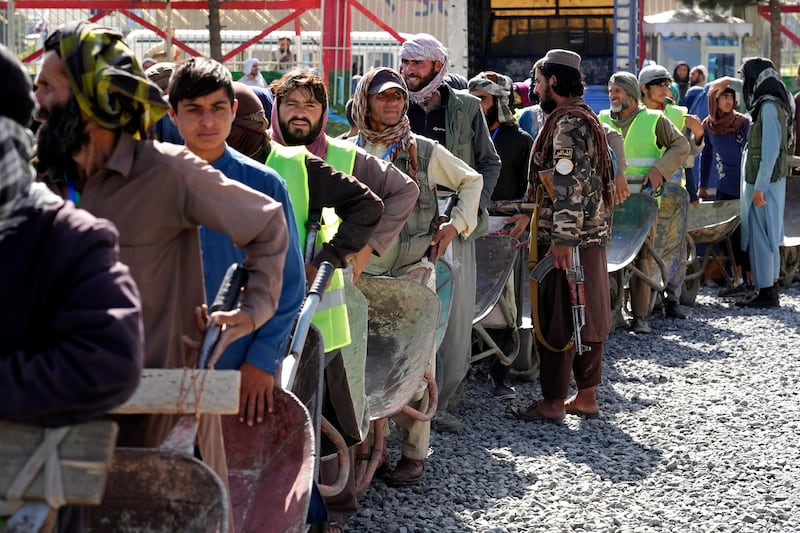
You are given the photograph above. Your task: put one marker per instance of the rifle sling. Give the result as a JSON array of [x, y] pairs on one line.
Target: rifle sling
[[533, 258]]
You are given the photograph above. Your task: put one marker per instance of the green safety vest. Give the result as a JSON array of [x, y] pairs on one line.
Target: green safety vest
[[676, 114], [331, 314], [641, 148]]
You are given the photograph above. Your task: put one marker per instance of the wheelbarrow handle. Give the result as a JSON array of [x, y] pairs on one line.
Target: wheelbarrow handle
[[290, 363], [225, 300]]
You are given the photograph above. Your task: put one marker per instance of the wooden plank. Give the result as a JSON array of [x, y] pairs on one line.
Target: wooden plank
[[84, 456], [177, 391]]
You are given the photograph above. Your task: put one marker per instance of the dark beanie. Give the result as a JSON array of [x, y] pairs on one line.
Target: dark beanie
[[16, 90]]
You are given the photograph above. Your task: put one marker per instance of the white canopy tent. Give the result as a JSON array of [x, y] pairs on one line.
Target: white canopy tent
[[696, 37]]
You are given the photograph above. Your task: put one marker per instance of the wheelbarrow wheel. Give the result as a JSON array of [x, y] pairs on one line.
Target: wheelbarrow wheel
[[617, 297], [790, 260], [691, 286]]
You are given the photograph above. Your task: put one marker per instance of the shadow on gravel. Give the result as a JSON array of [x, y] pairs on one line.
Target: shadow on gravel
[[672, 343]]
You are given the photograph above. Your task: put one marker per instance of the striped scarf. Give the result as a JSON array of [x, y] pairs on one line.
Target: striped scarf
[[106, 79], [400, 133], [17, 192]]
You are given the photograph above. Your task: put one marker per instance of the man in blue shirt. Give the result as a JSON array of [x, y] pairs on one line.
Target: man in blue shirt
[[203, 107]]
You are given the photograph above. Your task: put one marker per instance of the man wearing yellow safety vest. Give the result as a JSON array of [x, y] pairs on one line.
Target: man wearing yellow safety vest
[[299, 117], [655, 149], [656, 96]]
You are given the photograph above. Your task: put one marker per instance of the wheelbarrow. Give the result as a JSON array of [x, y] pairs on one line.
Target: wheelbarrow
[[162, 490], [665, 247], [271, 467], [709, 224], [790, 251], [633, 220], [406, 325], [496, 257], [152, 490], [403, 318]]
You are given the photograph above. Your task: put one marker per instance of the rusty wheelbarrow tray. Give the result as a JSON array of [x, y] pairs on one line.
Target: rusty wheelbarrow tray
[[159, 491], [271, 467], [710, 223], [403, 318], [495, 257]]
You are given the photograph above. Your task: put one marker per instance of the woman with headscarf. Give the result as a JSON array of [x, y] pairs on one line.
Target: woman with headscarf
[[721, 167], [765, 168]]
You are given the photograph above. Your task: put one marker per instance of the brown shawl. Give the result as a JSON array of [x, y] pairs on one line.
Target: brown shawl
[[542, 151], [720, 124]]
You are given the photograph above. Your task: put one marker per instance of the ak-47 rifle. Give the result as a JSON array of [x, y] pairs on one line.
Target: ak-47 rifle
[[577, 296]]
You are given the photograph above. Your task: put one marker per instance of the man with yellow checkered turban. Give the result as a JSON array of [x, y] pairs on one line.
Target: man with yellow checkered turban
[[95, 105]]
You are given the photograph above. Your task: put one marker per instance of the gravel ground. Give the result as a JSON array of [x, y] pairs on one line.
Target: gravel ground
[[698, 432]]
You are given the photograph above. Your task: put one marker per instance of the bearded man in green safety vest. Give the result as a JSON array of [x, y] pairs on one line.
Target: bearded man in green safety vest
[[655, 150], [299, 117]]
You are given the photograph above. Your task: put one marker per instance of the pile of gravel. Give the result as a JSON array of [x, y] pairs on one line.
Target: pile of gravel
[[698, 431]]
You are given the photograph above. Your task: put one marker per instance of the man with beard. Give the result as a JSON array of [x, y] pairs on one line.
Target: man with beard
[[766, 165], [72, 342], [698, 75], [95, 102], [380, 103], [514, 149], [574, 212], [512, 144], [454, 119], [654, 148], [299, 117], [680, 81]]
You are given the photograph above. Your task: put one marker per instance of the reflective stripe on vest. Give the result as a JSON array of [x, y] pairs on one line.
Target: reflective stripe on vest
[[331, 314]]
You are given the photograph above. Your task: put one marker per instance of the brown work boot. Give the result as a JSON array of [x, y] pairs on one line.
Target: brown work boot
[[407, 472]]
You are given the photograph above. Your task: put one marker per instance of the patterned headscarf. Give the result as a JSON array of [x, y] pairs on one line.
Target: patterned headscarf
[[761, 83], [106, 79], [399, 133], [499, 86], [423, 47]]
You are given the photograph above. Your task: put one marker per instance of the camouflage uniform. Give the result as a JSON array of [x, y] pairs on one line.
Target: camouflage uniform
[[578, 215]]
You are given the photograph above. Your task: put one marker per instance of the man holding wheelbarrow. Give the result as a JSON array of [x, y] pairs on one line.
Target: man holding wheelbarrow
[[380, 104]]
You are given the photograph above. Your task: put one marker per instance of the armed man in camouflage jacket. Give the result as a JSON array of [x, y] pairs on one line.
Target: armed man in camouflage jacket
[[574, 212]]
